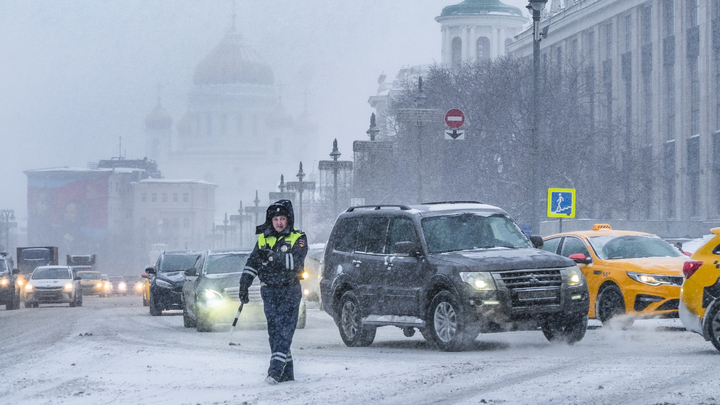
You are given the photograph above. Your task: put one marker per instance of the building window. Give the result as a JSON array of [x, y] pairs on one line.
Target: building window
[[186, 223], [692, 13], [669, 175], [208, 124], [143, 197], [627, 22], [239, 123], [483, 48], [694, 96], [175, 198], [176, 223], [646, 24], [693, 170], [669, 81], [223, 125], [715, 174], [154, 198], [607, 41], [668, 17], [164, 197], [456, 53], [186, 197]]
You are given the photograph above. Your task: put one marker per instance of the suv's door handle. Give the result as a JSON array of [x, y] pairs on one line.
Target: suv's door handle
[[357, 263]]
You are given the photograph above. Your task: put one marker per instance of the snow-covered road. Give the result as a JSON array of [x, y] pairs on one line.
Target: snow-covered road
[[111, 351]]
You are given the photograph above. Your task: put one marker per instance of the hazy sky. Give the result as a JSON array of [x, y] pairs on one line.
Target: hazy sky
[[77, 75]]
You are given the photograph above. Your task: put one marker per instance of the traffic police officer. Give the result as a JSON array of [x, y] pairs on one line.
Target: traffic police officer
[[277, 261]]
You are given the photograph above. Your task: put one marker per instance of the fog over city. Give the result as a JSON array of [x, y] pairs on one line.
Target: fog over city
[[78, 76]]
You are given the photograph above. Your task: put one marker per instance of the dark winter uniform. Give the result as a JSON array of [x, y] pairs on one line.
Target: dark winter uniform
[[277, 261]]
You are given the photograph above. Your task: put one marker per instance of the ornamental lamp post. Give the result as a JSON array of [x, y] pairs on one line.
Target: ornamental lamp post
[[7, 215], [301, 186], [535, 7], [257, 209], [225, 228]]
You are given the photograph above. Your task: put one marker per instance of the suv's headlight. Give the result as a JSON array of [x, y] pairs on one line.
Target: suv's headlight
[[482, 281], [649, 279], [163, 284], [68, 287], [575, 276], [28, 287]]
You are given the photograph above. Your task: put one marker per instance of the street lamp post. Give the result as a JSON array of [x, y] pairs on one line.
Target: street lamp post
[[301, 186], [257, 210], [225, 228], [7, 216], [335, 154], [535, 7]]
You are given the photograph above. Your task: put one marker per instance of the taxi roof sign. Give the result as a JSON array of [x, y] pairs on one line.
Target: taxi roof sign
[[561, 203], [598, 227]]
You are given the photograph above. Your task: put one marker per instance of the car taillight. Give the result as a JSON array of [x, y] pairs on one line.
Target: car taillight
[[690, 267]]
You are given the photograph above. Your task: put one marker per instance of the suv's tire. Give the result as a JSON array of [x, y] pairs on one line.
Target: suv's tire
[[154, 310], [446, 326], [610, 304], [713, 328], [352, 331], [187, 321], [566, 329]]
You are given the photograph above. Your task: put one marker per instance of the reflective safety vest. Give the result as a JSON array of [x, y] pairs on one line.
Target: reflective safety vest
[[271, 240]]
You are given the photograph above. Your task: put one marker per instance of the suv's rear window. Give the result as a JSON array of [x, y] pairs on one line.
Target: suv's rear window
[[471, 231], [346, 234]]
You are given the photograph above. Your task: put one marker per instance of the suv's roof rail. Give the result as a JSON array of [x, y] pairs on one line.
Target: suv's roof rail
[[451, 202], [378, 207]]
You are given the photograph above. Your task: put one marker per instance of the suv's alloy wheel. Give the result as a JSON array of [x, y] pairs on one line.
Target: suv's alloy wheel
[[447, 329], [154, 310], [352, 331]]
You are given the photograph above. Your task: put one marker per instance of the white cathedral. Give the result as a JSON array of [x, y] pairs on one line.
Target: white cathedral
[[236, 132]]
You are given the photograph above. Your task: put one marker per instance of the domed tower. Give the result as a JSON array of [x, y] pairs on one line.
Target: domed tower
[[158, 130], [477, 29]]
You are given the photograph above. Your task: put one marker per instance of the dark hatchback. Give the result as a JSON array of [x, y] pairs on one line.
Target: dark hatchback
[[449, 270], [167, 279]]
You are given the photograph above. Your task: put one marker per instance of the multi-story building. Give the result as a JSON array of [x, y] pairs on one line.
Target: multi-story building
[[655, 67], [177, 213]]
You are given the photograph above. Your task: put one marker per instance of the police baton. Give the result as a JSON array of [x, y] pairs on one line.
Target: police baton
[[232, 328]]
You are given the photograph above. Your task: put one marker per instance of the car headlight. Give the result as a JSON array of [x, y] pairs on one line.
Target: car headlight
[[122, 286], [20, 282], [575, 276], [28, 287], [482, 281], [304, 276], [99, 285], [68, 287], [163, 284], [649, 279], [4, 282]]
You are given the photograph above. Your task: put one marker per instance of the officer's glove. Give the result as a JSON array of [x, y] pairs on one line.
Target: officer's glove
[[243, 295]]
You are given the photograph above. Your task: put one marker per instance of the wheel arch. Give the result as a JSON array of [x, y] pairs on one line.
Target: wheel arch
[[435, 286]]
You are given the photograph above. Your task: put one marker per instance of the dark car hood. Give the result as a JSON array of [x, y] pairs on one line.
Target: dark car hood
[[175, 277], [219, 282], [499, 259]]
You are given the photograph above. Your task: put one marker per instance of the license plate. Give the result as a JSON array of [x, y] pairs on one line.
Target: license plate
[[536, 294]]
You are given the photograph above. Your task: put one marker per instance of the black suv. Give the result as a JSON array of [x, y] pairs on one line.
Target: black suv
[[451, 270], [9, 295], [167, 278]]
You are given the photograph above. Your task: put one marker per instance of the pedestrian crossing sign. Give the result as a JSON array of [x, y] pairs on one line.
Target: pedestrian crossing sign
[[561, 203]]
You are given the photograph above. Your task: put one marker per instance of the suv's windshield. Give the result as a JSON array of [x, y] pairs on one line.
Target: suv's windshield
[[631, 247], [471, 231], [50, 273], [178, 262], [89, 275], [226, 263], [116, 278]]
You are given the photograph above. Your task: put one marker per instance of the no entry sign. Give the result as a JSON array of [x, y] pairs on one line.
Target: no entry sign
[[454, 118]]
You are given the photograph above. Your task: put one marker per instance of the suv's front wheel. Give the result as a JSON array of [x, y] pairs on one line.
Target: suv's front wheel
[[446, 327], [352, 331], [566, 329]]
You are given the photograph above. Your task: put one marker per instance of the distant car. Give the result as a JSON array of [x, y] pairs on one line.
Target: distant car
[[119, 286], [52, 285], [628, 273], [700, 294], [8, 294], [91, 281], [107, 286], [210, 292], [311, 274], [166, 280]]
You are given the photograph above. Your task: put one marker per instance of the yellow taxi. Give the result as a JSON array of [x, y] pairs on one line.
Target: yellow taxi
[[91, 282], [700, 294], [635, 274]]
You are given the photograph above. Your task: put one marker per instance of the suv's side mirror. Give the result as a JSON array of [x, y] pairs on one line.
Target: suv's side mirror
[[150, 270], [191, 272], [76, 278], [580, 258], [16, 271], [144, 275], [537, 241], [406, 249]]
